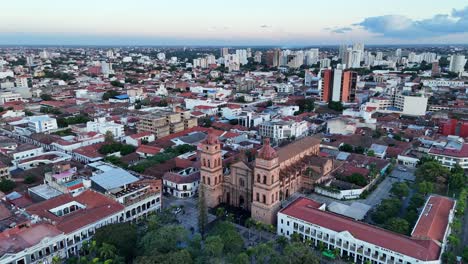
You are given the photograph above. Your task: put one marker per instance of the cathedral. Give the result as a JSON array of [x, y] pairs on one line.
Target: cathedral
[[261, 185]]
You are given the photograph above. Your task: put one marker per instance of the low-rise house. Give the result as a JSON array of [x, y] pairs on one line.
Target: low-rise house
[[182, 184]]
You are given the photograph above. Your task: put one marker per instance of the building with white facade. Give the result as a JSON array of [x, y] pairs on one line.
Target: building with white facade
[[365, 243], [457, 63], [101, 125], [411, 104], [182, 184], [279, 129], [6, 97], [41, 124]]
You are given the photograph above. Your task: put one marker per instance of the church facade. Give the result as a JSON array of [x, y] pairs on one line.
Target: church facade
[[260, 186]]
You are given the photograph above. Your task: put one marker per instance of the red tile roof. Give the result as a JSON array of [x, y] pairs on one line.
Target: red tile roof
[[140, 135], [148, 149], [433, 220], [305, 209], [98, 206], [91, 151], [463, 152]]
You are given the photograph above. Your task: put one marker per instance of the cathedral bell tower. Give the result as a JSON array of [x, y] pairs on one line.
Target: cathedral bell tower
[[266, 187], [211, 169]]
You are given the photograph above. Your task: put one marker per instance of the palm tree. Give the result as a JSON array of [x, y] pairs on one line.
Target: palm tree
[[220, 212], [107, 251], [259, 227], [230, 218], [84, 247], [249, 223], [56, 260]]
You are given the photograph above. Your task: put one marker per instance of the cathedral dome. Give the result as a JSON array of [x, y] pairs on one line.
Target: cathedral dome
[[211, 139], [267, 152]]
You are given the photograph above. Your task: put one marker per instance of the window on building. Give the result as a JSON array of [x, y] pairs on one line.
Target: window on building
[[209, 182], [258, 177], [264, 199], [264, 179]]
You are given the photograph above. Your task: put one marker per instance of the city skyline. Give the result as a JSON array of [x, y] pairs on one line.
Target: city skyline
[[207, 23]]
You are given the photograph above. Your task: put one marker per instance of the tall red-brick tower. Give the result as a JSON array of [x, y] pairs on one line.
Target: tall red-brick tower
[[211, 169], [266, 188]]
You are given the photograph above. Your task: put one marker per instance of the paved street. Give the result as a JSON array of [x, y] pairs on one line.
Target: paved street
[[465, 229], [189, 216], [407, 175], [381, 192]]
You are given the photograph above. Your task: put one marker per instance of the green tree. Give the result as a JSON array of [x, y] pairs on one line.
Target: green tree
[[107, 251], [355, 178], [387, 208], [202, 211], [337, 106], [400, 189], [298, 253], [371, 153], [164, 240], [214, 246], [431, 171], [241, 258], [398, 225], [346, 148], [7, 185], [46, 97], [425, 187], [465, 254], [232, 241], [29, 179], [122, 236]]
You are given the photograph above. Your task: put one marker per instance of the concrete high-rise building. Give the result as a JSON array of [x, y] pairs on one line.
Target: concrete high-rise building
[[355, 61], [457, 63], [210, 59], [312, 56], [398, 53], [338, 85], [347, 59], [379, 56], [110, 53], [325, 63], [242, 55], [249, 53], [435, 69], [258, 57], [30, 60], [224, 52], [359, 46], [341, 52]]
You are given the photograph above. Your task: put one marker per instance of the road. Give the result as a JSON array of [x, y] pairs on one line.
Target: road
[[465, 229], [189, 217], [407, 175]]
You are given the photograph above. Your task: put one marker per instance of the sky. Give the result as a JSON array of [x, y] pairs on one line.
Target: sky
[[240, 22]]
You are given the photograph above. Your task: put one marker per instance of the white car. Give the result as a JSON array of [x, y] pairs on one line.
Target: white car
[[402, 168]]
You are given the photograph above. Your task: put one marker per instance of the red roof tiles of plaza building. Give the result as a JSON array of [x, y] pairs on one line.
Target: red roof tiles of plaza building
[[19, 238], [97, 207], [305, 209], [463, 152], [433, 221]]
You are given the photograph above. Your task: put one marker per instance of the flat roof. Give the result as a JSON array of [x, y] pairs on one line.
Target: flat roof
[[422, 249], [356, 210], [45, 191], [114, 178]]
